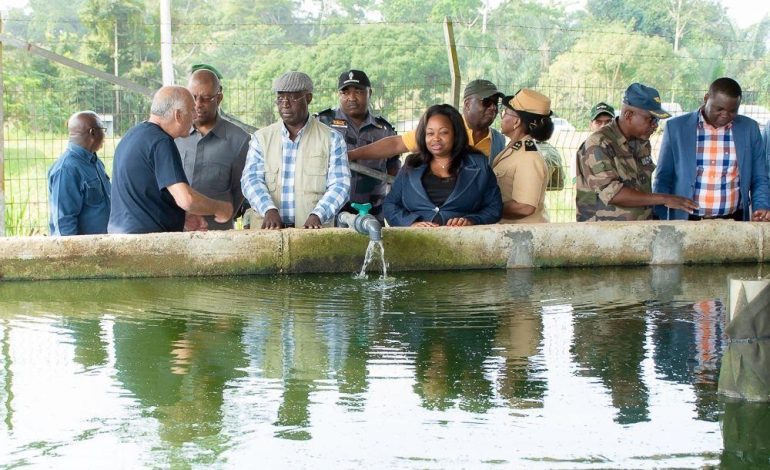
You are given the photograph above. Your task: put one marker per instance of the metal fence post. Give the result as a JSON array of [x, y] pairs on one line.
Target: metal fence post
[[2, 139]]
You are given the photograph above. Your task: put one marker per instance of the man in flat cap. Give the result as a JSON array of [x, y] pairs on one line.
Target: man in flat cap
[[297, 168], [480, 104], [214, 150], [614, 169], [716, 157], [360, 127]]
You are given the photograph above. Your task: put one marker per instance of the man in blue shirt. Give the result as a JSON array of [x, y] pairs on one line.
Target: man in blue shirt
[[78, 187], [150, 192]]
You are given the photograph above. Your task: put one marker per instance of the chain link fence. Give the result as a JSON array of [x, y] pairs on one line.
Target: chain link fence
[[35, 135]]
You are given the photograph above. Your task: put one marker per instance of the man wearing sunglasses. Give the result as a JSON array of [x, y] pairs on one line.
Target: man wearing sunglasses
[[214, 151], [480, 105], [614, 171], [78, 187], [297, 168]]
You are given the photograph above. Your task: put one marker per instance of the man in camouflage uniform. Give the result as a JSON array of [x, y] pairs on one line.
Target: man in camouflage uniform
[[614, 171], [360, 127]]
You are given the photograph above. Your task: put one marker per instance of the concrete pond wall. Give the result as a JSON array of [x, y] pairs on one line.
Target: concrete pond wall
[[240, 252]]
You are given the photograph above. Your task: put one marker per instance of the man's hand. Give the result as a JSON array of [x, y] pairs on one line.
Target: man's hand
[[193, 223], [760, 215], [224, 212], [272, 220], [678, 202], [313, 221]]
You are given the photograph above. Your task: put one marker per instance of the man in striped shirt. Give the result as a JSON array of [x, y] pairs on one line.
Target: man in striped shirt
[[715, 157], [297, 168]]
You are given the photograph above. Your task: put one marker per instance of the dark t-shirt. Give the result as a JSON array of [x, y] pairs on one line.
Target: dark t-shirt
[[146, 162]]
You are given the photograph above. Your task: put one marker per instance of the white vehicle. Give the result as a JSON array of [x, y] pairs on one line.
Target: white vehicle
[[755, 112], [561, 124]]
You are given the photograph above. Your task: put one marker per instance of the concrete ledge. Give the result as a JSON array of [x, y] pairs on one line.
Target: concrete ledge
[[342, 250]]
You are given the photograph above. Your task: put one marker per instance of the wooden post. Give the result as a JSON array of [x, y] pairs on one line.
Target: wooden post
[[454, 65]]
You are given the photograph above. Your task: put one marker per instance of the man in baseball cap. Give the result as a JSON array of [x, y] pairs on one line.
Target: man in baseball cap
[[360, 127], [614, 167], [278, 153], [481, 99], [601, 115]]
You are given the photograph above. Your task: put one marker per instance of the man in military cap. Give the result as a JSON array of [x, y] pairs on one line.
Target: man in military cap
[[614, 171], [601, 115], [715, 156], [360, 127], [480, 105], [214, 151], [297, 168]]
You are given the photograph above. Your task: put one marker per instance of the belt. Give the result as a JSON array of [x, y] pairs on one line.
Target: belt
[[737, 215]]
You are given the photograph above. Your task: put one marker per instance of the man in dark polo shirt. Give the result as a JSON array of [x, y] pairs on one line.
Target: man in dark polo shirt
[[150, 192], [214, 152], [360, 127]]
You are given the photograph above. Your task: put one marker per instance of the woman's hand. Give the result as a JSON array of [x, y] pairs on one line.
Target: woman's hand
[[423, 223], [459, 222]]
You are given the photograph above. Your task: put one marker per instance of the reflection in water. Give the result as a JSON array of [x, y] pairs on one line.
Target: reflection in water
[[745, 430], [203, 371]]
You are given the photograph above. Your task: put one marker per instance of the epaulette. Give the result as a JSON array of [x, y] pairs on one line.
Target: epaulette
[[326, 116], [384, 123], [529, 146]]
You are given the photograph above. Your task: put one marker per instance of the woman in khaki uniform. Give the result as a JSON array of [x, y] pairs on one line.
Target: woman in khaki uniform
[[521, 171]]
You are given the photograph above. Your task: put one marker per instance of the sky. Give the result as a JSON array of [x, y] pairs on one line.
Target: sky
[[744, 12]]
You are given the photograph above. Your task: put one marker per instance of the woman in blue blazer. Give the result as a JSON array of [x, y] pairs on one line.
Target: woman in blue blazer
[[447, 182]]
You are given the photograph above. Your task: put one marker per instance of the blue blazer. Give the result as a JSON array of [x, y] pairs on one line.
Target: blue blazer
[[476, 196], [676, 169]]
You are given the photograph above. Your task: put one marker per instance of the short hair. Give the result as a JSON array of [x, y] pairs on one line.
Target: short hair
[[167, 100], [726, 86], [203, 74], [460, 146]]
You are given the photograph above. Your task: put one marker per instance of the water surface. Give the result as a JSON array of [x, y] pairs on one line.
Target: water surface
[[581, 368]]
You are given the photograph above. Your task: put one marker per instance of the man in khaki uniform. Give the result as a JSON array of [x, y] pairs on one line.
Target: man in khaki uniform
[[614, 171]]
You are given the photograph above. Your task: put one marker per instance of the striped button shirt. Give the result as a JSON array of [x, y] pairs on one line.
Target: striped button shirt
[[717, 183], [337, 178]]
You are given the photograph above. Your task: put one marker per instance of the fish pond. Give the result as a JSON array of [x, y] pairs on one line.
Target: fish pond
[[552, 368]]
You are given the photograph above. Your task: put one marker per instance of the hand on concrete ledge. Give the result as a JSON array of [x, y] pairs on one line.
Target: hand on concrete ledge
[[194, 223]]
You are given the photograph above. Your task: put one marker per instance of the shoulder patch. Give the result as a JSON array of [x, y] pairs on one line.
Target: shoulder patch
[[326, 116], [529, 146], [339, 123], [516, 145], [382, 122]]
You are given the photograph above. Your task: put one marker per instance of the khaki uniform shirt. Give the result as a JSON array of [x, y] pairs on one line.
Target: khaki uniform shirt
[[522, 176], [607, 163]]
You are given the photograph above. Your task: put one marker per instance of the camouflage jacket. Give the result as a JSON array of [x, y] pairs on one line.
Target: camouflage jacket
[[606, 163]]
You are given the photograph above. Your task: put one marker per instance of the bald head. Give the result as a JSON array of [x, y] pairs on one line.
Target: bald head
[[171, 109], [86, 130], [206, 90]]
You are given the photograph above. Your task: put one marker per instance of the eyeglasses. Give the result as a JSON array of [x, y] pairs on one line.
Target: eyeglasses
[[289, 99], [507, 112], [204, 99], [91, 130]]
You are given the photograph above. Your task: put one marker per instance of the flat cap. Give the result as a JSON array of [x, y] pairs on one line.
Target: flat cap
[[293, 81]]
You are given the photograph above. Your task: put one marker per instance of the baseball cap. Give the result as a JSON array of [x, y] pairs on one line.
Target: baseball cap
[[602, 108], [293, 81], [354, 78], [483, 88], [646, 98], [529, 101]]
